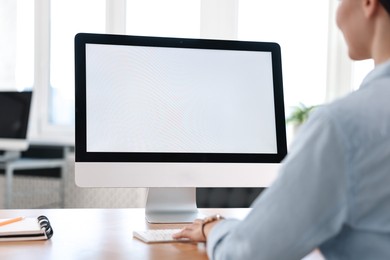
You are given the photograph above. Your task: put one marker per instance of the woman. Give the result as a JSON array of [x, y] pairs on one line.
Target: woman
[[333, 189]]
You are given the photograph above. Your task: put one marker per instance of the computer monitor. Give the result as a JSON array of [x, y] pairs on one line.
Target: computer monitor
[[14, 117], [173, 114]]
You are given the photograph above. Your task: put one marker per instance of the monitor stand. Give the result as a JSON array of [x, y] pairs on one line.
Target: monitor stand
[[171, 205]]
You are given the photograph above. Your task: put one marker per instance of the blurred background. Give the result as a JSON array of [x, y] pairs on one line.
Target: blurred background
[[37, 54]]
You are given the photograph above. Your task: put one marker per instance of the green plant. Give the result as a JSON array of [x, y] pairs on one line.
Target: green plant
[[299, 114]]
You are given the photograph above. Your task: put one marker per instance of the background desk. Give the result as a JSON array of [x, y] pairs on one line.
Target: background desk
[[29, 164], [102, 234]]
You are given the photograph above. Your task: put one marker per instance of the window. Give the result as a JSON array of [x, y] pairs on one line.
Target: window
[[303, 36], [170, 18], [67, 19], [48, 65], [16, 44]]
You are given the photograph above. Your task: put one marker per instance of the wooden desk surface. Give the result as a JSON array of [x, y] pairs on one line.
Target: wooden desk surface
[[101, 234]]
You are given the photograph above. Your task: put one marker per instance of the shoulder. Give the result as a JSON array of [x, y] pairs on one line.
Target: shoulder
[[360, 119], [362, 108]]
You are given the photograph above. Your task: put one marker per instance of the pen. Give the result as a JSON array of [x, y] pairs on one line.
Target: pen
[[12, 220]]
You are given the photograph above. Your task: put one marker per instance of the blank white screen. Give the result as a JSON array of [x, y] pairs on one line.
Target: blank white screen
[[154, 99]]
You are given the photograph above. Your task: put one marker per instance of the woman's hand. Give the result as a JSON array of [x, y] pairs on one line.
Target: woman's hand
[[194, 231]]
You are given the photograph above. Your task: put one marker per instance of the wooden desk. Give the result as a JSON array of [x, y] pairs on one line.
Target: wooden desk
[[104, 234], [101, 234]]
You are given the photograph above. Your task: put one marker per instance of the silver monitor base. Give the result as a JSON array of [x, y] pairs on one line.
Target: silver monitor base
[[171, 205]]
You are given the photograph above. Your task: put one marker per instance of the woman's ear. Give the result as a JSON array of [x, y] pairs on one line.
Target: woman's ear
[[370, 7]]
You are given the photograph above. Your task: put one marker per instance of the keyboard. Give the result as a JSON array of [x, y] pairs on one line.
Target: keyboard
[[158, 235]]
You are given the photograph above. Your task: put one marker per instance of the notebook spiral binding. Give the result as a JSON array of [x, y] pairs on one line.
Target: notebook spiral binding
[[45, 225]]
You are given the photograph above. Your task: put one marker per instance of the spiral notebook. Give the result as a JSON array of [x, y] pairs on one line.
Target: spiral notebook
[[29, 228]]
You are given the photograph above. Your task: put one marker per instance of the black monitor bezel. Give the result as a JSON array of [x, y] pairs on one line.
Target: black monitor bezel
[[82, 155]]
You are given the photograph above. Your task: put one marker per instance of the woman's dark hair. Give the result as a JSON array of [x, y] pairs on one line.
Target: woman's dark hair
[[386, 5]]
